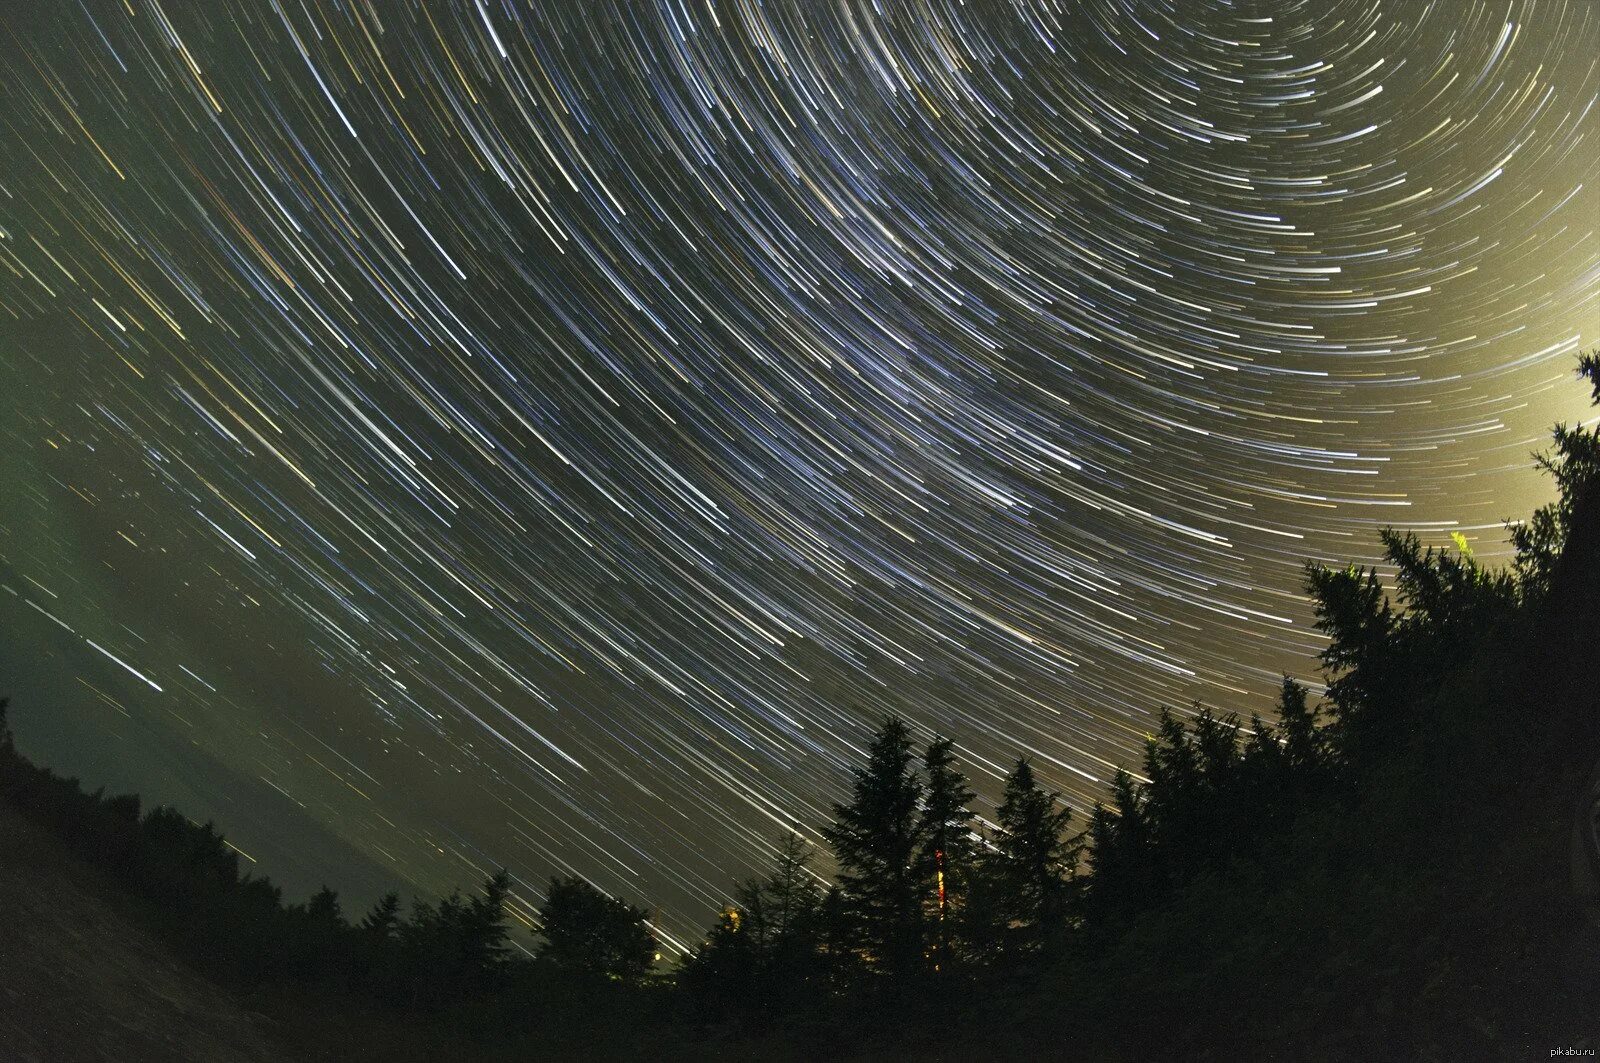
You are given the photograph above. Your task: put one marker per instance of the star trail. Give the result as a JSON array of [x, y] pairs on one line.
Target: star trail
[[554, 435]]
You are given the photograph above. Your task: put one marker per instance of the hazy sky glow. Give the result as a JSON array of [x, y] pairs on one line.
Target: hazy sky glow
[[486, 432]]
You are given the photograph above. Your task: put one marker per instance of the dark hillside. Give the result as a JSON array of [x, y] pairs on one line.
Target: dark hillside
[[80, 980]]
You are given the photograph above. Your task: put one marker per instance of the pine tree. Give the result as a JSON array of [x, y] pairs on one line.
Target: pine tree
[[725, 965], [876, 843], [1031, 861], [792, 893], [947, 848], [1304, 743], [375, 955], [1574, 464], [317, 944], [840, 961], [384, 917], [484, 929], [1119, 841], [793, 900]]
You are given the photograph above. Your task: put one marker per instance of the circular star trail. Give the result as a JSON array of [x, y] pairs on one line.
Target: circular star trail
[[554, 435]]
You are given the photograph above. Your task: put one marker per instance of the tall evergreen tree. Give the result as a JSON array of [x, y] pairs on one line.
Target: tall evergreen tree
[[722, 970], [316, 945], [375, 952], [1304, 743], [1031, 861], [876, 842], [775, 915], [790, 896], [323, 909], [484, 929], [793, 901], [1574, 464], [1119, 843], [946, 856]]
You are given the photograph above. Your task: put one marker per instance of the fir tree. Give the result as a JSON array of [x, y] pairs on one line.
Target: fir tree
[[947, 847], [1031, 861], [790, 896], [484, 930], [876, 842]]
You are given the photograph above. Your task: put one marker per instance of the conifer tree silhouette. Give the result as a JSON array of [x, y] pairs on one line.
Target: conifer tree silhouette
[[1030, 863], [947, 850], [876, 840], [586, 931]]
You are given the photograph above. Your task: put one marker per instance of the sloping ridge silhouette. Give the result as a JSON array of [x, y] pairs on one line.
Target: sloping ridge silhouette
[[83, 981]]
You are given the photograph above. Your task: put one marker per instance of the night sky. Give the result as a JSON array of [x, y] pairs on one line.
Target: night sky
[[554, 435]]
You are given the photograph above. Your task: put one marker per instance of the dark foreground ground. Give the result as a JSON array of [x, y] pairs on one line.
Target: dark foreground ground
[[81, 980]]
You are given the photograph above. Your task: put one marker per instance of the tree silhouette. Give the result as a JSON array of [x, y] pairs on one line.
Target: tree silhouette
[[374, 948], [380, 922], [586, 931], [876, 841], [1119, 835], [779, 914], [1574, 465], [457, 947], [484, 933], [946, 856], [1303, 743], [792, 893], [765, 946], [1030, 863]]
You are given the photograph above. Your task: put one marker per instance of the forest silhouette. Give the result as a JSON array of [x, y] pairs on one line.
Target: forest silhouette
[[1405, 868]]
